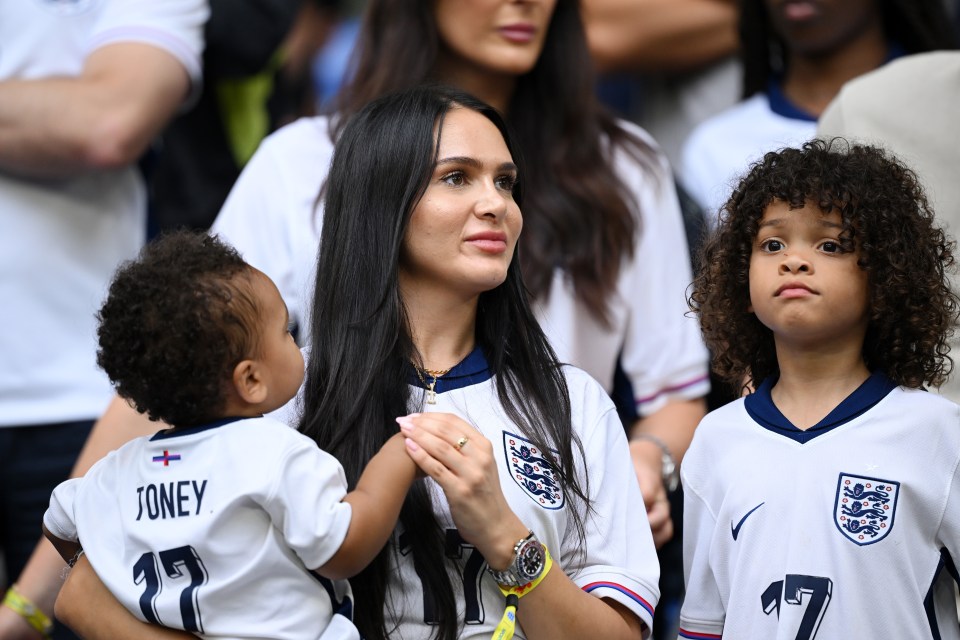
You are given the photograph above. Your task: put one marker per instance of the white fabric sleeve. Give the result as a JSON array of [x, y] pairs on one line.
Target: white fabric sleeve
[[663, 351], [255, 220], [618, 560], [58, 518], [948, 534], [176, 26], [306, 503], [702, 614]]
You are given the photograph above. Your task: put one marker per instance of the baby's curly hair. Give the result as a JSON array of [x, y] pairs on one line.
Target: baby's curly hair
[[175, 323], [885, 215]]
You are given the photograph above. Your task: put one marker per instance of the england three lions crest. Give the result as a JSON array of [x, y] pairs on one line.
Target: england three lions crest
[[531, 471], [865, 507]]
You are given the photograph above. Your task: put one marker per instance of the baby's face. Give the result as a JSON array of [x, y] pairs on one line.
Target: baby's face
[[278, 352]]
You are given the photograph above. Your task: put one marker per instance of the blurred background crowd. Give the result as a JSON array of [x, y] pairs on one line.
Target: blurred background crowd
[[117, 124]]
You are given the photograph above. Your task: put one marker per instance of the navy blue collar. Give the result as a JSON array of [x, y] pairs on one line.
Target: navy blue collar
[[470, 371], [781, 105], [188, 431], [759, 405]]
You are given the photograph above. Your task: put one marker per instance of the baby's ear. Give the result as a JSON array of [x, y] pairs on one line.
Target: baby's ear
[[249, 382]]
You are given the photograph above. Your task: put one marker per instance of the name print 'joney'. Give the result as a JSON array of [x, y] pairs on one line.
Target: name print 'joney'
[[170, 499]]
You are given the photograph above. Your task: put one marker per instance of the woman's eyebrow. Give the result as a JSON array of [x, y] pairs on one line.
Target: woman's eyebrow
[[473, 162]]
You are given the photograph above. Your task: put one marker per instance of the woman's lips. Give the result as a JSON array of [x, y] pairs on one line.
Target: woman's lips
[[519, 33]]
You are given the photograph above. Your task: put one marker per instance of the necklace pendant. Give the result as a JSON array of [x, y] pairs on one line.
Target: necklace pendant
[[431, 396]]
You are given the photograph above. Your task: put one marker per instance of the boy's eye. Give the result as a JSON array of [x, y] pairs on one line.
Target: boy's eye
[[831, 247], [771, 246]]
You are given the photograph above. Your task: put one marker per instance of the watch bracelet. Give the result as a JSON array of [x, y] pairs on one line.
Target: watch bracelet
[[669, 471]]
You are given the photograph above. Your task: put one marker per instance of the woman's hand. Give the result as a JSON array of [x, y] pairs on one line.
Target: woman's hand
[[647, 464], [460, 459]]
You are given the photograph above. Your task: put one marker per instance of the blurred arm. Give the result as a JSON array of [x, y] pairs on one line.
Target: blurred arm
[[659, 35], [102, 119], [42, 577]]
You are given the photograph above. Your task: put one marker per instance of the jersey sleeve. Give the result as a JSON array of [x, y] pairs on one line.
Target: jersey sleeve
[[176, 26], [307, 505], [948, 534], [663, 352], [271, 215], [702, 614], [618, 560], [58, 518]]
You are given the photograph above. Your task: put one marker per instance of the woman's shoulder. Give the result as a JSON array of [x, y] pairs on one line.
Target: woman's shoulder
[[728, 125], [586, 393], [637, 150], [309, 136]]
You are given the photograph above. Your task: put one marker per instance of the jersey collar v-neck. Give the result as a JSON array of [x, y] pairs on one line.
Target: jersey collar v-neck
[[760, 407], [472, 370], [188, 431]]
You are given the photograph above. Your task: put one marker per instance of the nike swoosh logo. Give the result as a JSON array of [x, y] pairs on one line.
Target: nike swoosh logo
[[735, 530]]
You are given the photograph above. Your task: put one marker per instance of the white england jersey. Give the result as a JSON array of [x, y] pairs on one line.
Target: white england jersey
[[212, 529], [846, 530], [721, 148], [618, 559]]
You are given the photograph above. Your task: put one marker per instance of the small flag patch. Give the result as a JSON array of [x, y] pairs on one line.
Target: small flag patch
[[166, 458]]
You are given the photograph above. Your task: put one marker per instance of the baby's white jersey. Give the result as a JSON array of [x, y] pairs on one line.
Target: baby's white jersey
[[846, 530], [211, 530], [618, 559]]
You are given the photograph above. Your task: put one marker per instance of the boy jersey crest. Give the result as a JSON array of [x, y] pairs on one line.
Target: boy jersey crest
[[865, 508]]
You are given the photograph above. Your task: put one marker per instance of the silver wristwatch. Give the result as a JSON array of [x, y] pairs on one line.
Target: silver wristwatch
[[529, 558], [669, 472]]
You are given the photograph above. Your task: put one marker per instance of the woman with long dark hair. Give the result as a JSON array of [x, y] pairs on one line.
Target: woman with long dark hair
[[603, 254], [420, 305]]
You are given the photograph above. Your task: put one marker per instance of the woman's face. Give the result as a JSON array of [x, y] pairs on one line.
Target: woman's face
[[812, 27], [502, 37], [463, 231]]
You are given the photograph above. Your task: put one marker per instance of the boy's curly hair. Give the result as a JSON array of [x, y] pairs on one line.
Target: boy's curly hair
[[885, 215], [175, 323]]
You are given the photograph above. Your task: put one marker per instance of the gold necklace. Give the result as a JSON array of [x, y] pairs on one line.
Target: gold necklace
[[435, 373]]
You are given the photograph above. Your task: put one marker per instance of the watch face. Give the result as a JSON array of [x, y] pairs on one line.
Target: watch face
[[530, 560]]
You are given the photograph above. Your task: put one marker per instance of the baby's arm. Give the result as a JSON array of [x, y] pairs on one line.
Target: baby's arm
[[68, 549], [58, 523], [375, 505]]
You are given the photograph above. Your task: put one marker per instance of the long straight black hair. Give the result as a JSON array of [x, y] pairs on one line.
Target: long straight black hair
[[356, 382], [578, 214], [915, 25]]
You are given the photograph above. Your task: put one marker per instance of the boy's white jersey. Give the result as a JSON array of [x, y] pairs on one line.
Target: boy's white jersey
[[211, 529], [846, 530], [618, 559]]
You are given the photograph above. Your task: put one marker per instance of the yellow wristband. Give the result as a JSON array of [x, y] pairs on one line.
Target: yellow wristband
[[29, 611], [508, 623], [524, 589]]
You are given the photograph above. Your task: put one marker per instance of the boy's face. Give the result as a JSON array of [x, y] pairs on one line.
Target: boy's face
[[278, 352], [804, 286]]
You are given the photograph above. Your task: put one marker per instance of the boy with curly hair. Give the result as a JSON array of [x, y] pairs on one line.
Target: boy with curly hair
[[826, 502], [229, 523]]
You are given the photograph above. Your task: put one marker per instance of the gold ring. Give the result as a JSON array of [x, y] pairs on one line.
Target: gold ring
[[462, 441]]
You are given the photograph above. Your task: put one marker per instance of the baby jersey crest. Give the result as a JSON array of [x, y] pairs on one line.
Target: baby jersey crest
[[532, 472], [864, 508]]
